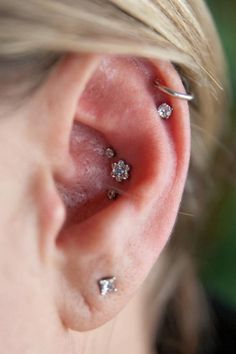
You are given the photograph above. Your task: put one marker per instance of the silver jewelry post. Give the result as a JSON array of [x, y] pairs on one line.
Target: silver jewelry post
[[110, 153], [112, 194]]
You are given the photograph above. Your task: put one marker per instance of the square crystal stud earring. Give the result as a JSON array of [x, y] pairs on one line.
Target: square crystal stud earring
[[107, 286]]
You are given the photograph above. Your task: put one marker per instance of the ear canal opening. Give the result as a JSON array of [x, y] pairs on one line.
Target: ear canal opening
[[90, 187]]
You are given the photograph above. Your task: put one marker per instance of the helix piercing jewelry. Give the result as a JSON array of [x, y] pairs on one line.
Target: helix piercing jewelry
[[107, 286], [165, 111], [112, 194], [110, 153], [173, 93], [120, 171]]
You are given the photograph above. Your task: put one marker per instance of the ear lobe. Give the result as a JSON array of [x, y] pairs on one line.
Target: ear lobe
[[121, 238]]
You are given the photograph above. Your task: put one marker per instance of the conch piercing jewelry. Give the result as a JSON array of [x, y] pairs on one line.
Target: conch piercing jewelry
[[173, 93], [107, 286], [112, 194], [120, 171], [165, 111], [110, 153]]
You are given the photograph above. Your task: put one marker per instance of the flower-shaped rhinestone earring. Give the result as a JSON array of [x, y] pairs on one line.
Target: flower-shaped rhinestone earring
[[120, 171]]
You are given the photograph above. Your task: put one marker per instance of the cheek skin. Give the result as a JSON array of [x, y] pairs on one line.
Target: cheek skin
[[24, 295]]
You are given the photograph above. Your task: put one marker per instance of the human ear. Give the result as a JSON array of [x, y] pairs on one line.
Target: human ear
[[100, 102]]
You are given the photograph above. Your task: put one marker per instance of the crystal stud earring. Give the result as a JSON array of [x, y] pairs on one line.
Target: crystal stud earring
[[165, 111], [120, 171], [110, 153], [107, 286]]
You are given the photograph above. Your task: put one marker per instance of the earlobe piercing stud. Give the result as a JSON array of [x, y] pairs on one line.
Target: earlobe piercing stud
[[120, 171], [165, 111], [107, 286]]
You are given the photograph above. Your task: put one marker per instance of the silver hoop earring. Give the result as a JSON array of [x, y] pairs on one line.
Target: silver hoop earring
[[173, 93]]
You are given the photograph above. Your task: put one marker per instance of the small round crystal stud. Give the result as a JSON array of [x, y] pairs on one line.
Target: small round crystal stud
[[107, 286], [165, 111], [110, 153], [120, 171], [112, 194]]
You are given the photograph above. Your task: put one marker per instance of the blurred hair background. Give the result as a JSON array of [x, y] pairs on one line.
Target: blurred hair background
[[218, 256]]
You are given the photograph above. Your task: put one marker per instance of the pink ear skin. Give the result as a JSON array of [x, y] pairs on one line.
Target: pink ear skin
[[122, 238], [113, 105]]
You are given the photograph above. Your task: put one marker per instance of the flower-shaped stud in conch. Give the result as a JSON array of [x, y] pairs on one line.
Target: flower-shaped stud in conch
[[120, 171]]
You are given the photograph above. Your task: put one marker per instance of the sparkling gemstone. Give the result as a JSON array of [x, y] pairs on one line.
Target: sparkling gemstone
[[110, 153], [165, 111], [107, 286], [120, 171]]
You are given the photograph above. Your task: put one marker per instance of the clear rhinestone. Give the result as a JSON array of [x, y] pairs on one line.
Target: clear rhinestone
[[107, 286], [110, 153], [165, 111], [120, 171]]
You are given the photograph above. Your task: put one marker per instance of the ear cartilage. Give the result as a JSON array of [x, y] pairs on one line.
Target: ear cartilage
[[112, 194], [110, 153], [120, 171], [165, 111], [107, 286]]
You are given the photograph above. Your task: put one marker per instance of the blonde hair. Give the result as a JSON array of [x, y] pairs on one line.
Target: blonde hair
[[35, 34]]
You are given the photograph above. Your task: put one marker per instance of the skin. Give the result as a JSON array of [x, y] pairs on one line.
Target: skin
[[54, 251]]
